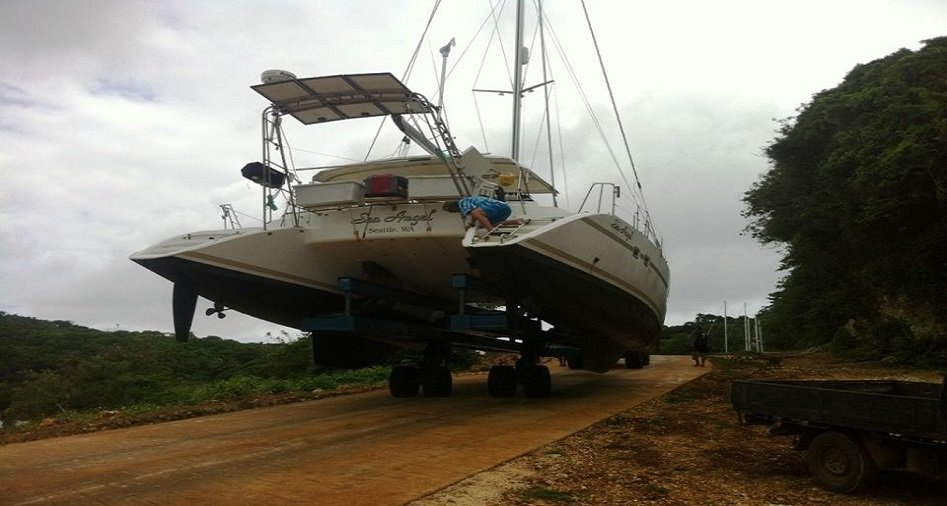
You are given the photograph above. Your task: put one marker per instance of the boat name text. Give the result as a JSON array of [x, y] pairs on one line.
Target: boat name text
[[400, 218], [623, 230]]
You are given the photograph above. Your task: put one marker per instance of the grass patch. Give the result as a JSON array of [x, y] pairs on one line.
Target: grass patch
[[687, 393], [194, 394], [654, 491], [238, 387], [544, 494]]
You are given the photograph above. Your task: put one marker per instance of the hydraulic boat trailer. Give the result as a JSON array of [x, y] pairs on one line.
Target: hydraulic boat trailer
[[508, 330]]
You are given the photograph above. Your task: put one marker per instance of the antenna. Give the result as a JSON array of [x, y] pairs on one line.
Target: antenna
[[445, 52]]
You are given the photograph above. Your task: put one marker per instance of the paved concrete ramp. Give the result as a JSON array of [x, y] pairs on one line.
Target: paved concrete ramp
[[364, 449]]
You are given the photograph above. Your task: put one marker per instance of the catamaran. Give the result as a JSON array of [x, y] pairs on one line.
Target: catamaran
[[366, 258]]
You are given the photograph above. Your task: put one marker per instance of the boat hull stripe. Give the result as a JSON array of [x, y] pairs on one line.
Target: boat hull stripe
[[627, 246], [256, 270]]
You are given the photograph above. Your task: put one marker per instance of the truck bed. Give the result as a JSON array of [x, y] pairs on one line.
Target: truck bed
[[904, 408]]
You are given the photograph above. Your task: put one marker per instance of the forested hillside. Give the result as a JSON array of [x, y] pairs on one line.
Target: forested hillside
[[857, 197], [57, 367], [51, 367]]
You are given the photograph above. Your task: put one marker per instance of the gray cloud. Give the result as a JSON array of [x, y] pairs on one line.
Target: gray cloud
[[125, 122]]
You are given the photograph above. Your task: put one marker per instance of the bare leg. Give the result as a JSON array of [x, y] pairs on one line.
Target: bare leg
[[481, 218]]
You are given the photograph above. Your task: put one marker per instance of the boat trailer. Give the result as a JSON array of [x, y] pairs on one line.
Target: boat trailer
[[485, 328]]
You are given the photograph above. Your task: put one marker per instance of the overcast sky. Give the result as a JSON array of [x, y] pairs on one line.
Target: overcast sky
[[123, 123]]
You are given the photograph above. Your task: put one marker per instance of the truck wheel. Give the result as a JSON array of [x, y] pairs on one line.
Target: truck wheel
[[840, 462]]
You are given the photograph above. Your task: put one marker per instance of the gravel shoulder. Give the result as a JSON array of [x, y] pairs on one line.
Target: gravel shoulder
[[686, 448]]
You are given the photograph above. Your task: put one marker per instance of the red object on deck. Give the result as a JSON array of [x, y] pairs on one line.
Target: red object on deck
[[386, 185]]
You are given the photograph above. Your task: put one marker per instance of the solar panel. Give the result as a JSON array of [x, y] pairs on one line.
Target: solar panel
[[331, 98]]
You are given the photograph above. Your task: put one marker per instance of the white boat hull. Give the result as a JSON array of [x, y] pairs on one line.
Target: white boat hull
[[589, 275], [287, 274], [593, 276]]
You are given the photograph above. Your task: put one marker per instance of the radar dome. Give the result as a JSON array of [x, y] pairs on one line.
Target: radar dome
[[276, 76]]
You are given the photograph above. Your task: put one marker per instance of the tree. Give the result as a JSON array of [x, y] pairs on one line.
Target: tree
[[857, 195]]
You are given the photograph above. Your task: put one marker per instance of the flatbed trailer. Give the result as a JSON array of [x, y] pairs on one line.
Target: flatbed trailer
[[852, 429], [355, 336]]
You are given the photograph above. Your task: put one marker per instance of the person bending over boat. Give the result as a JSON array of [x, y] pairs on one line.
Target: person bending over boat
[[486, 212]]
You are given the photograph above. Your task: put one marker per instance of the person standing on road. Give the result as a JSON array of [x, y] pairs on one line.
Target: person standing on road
[[701, 348]]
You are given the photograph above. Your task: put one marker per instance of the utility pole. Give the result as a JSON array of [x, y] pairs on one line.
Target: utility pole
[[759, 335], [746, 330], [726, 348]]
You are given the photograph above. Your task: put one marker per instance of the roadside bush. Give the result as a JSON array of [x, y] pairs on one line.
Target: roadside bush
[[39, 394]]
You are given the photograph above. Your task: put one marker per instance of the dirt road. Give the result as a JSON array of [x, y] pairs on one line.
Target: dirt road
[[358, 449]]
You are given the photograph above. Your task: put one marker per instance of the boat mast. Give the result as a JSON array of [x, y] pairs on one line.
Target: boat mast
[[518, 62]]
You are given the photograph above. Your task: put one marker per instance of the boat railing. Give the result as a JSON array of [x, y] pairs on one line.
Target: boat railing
[[342, 97], [507, 231], [231, 220], [601, 198]]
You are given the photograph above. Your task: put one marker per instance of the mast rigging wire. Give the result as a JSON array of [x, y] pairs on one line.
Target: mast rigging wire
[[498, 6], [611, 96], [407, 72], [546, 71]]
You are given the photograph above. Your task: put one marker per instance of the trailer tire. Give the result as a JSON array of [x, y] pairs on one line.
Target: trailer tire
[[839, 462], [634, 359], [403, 381], [501, 381], [537, 383]]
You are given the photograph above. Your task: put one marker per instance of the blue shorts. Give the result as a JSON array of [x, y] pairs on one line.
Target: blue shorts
[[497, 211]]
